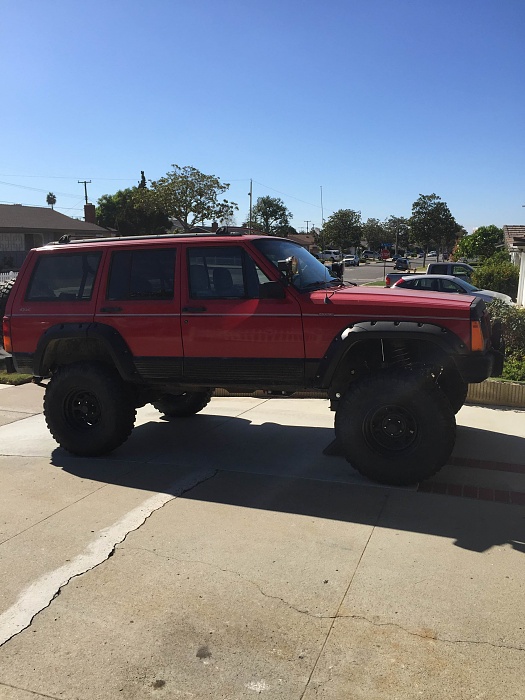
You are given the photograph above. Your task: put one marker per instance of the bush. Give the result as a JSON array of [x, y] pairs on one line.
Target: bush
[[497, 275], [512, 321]]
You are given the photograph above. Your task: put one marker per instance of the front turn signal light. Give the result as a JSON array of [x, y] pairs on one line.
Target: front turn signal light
[[477, 341]]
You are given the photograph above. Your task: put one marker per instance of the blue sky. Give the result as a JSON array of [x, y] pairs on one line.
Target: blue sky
[[374, 101]]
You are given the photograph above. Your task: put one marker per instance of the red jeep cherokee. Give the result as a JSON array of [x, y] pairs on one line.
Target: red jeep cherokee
[[121, 322]]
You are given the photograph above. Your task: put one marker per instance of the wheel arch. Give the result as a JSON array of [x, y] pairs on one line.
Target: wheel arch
[[66, 343], [367, 346]]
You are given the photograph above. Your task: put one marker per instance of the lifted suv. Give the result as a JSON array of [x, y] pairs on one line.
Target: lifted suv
[[121, 322]]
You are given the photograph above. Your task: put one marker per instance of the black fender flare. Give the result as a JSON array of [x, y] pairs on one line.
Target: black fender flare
[[356, 333], [113, 343]]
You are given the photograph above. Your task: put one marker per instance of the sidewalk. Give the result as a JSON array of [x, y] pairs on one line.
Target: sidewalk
[[224, 556]]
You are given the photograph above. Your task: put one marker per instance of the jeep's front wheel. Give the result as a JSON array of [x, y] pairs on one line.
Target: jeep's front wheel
[[454, 387], [395, 428], [88, 409], [184, 404]]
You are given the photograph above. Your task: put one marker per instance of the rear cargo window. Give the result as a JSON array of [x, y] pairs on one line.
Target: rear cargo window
[[65, 277], [142, 274]]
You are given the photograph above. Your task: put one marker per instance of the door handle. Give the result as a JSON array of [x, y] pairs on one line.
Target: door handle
[[193, 309], [111, 309]]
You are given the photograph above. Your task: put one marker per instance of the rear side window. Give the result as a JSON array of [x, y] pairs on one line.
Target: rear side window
[[142, 274], [64, 277]]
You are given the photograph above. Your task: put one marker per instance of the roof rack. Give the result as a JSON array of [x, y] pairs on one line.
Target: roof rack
[[223, 231]]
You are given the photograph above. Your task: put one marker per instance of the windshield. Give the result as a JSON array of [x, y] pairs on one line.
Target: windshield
[[311, 274], [469, 287]]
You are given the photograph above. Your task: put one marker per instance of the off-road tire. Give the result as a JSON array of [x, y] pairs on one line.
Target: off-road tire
[[5, 290], [454, 387], [88, 409], [395, 428], [185, 404]]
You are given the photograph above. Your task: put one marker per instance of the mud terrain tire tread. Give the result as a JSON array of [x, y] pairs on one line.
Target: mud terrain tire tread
[[5, 290], [407, 402], [88, 408]]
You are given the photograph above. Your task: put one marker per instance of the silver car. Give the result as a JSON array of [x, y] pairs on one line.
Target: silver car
[[450, 285]]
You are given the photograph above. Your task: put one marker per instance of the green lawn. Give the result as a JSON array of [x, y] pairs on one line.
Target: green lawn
[[15, 379]]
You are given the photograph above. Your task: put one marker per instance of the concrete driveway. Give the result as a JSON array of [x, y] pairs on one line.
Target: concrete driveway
[[225, 556]]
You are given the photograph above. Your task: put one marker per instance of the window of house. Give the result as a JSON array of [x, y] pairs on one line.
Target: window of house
[[142, 274], [64, 277]]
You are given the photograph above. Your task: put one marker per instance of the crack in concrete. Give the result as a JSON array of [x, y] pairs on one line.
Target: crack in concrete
[[31, 692], [40, 594], [432, 638], [235, 573]]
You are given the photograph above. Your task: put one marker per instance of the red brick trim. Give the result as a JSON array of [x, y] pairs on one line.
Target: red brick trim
[[486, 464], [478, 492]]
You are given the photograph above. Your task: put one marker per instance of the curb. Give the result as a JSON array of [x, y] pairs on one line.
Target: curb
[[492, 392]]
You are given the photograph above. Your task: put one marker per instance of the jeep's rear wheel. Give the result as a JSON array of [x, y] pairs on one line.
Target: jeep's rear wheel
[[88, 409], [395, 428], [184, 404]]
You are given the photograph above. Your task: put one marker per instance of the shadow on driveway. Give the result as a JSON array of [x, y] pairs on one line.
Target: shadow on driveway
[[281, 468]]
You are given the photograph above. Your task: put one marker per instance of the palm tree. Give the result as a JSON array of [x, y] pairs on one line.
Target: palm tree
[[51, 199]]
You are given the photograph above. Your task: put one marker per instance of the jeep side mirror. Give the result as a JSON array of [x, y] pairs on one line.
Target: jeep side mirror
[[288, 268]]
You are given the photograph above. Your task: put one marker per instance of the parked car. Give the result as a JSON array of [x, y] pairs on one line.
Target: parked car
[[351, 260], [402, 264], [331, 255], [450, 285], [369, 255]]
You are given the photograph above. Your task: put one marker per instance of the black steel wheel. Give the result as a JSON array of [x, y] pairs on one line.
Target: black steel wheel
[[184, 404], [395, 427], [88, 409]]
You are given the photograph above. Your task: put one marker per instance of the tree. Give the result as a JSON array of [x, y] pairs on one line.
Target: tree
[[187, 195], [51, 199], [432, 223], [397, 231], [271, 216], [343, 229], [122, 212], [375, 234], [481, 243]]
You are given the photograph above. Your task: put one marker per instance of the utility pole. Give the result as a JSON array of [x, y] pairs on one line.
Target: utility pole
[[322, 215], [85, 183], [250, 195], [307, 222]]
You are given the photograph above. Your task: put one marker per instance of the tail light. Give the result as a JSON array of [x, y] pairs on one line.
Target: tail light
[[6, 331], [387, 281]]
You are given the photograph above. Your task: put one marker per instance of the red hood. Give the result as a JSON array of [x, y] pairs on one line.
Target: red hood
[[377, 302]]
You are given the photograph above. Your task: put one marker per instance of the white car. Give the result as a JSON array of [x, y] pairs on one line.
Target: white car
[[351, 260], [450, 285], [330, 254]]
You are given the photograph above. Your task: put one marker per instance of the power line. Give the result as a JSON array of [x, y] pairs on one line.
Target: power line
[[36, 189]]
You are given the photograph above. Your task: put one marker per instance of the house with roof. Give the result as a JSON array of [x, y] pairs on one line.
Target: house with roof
[[514, 239], [23, 228]]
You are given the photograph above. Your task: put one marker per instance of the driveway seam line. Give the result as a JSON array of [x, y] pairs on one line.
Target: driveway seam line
[[347, 589]]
